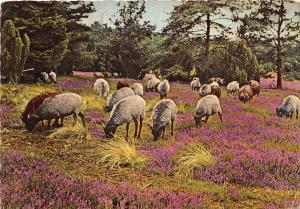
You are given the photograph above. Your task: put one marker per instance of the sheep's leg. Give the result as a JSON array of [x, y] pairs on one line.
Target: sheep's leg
[[206, 118], [220, 116], [62, 121], [135, 127], [291, 116], [140, 128], [43, 123], [172, 127], [81, 115], [56, 122], [49, 122], [127, 128], [163, 133], [75, 118], [297, 114]]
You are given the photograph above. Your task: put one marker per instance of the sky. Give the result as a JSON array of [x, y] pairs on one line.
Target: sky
[[156, 11]]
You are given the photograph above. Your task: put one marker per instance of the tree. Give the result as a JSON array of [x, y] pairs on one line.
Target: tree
[[129, 30], [275, 27], [14, 51]]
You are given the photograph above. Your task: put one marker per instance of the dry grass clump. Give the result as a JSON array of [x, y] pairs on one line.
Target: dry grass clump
[[120, 153], [190, 157], [78, 131]]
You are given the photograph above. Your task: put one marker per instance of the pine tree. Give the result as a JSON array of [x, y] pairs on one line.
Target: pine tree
[[14, 51]]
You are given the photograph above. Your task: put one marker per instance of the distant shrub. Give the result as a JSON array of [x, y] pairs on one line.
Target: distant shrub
[[175, 73], [191, 157], [119, 152]]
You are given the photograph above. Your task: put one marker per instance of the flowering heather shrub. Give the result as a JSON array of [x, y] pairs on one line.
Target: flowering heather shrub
[[71, 83], [93, 117], [28, 183], [5, 119], [267, 83]]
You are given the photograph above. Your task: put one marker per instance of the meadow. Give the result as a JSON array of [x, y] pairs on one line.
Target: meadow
[[249, 161]]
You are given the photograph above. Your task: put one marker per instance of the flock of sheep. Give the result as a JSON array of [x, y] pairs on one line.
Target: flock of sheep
[[127, 104]]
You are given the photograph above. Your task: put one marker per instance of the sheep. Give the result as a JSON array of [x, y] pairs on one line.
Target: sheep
[[245, 93], [58, 106], [52, 77], [34, 104], [195, 84], [214, 83], [126, 110], [233, 87], [117, 96], [207, 106], [138, 89], [163, 115], [255, 87], [101, 87], [152, 84], [212, 80], [205, 90], [148, 77], [45, 77], [290, 105], [122, 84], [216, 90], [220, 81], [195, 78], [163, 88]]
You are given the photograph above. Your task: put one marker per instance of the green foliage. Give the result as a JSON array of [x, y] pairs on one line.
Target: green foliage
[[119, 152], [175, 73], [14, 51], [235, 61], [191, 157]]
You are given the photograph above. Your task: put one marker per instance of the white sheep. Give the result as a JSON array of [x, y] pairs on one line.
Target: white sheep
[[214, 83], [126, 110], [163, 88], [206, 107], [205, 89], [195, 78], [58, 106], [290, 105], [101, 87], [152, 84], [52, 76], [220, 81], [118, 96], [138, 89], [233, 87], [163, 115], [45, 77], [195, 84]]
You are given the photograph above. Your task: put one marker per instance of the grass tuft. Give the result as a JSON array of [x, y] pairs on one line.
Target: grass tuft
[[121, 153], [78, 131], [190, 157]]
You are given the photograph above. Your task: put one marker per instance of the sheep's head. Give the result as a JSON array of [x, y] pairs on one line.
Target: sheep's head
[[156, 131], [109, 130], [31, 122], [197, 119], [280, 112], [244, 97]]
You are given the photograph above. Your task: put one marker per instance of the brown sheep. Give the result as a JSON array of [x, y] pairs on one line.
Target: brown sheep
[[216, 90], [245, 93], [122, 84], [255, 87]]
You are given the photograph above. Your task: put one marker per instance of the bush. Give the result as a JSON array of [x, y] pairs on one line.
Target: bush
[[191, 157], [78, 131], [175, 73]]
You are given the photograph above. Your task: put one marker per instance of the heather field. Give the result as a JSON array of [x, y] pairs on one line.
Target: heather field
[[249, 161]]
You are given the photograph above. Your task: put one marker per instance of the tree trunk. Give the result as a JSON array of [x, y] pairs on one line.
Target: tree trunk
[[207, 41], [279, 47]]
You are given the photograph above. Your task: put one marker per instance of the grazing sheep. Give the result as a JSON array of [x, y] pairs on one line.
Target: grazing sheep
[[195, 84], [163, 115], [195, 78], [212, 80], [290, 105], [163, 88], [205, 90], [220, 81], [216, 90], [233, 87], [138, 89], [152, 84], [101, 87], [214, 83], [245, 93], [126, 110], [118, 96], [255, 87], [56, 107], [207, 106], [45, 77], [34, 104], [52, 77], [122, 84], [148, 77]]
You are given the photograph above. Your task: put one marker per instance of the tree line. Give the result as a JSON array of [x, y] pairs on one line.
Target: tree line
[[236, 40]]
